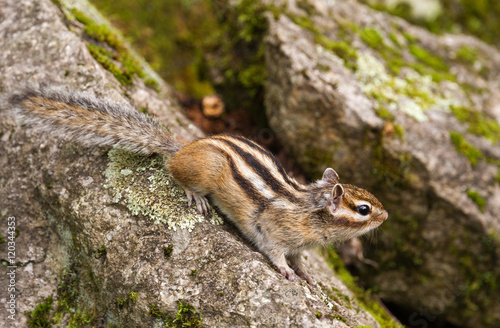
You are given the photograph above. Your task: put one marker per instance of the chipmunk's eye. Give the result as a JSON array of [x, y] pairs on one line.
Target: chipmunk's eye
[[363, 209]]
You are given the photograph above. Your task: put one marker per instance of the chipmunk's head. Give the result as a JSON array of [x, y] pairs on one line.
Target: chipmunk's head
[[351, 211]]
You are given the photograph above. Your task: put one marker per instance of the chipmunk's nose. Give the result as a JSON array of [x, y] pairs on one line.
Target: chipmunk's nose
[[383, 216]]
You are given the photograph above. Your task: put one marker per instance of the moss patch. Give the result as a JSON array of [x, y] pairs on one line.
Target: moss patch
[[111, 51], [185, 316], [427, 58], [467, 55], [42, 315], [477, 199], [240, 60], [478, 123], [479, 18], [167, 251], [73, 290], [372, 38], [102, 252], [341, 49], [464, 147], [364, 298], [129, 300], [147, 188]]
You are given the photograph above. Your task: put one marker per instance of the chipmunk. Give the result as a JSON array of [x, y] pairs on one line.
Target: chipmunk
[[243, 180]]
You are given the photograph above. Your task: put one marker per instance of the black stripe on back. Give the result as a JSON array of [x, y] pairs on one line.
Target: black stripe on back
[[277, 163], [244, 184], [262, 171]]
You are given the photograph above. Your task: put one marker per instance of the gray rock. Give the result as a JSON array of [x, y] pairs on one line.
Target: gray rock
[[413, 117], [109, 236]]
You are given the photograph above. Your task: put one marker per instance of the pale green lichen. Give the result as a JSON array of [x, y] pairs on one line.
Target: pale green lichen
[[413, 94], [146, 187]]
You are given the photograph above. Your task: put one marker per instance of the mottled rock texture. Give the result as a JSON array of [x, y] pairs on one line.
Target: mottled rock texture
[[413, 117], [77, 238]]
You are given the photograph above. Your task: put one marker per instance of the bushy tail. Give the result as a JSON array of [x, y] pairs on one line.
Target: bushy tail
[[93, 121]]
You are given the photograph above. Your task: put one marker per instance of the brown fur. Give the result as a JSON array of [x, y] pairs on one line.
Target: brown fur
[[277, 214]]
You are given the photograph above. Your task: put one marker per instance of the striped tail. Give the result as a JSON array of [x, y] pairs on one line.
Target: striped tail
[[91, 121]]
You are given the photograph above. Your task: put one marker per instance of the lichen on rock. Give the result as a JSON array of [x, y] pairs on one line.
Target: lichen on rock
[[147, 188]]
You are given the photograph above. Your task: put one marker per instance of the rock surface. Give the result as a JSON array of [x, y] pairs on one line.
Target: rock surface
[[91, 246], [413, 117]]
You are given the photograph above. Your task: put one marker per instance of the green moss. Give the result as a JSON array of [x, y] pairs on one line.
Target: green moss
[[102, 252], [239, 39], [409, 37], [399, 131], [479, 286], [100, 54], [467, 149], [307, 7], [319, 314], [394, 39], [323, 68], [185, 316], [1, 239], [117, 59], [372, 38], [479, 18], [467, 55], [425, 64], [167, 251], [127, 301], [98, 32], [340, 48], [338, 317], [155, 312], [57, 3], [364, 298], [68, 289], [412, 95], [478, 123], [385, 113], [174, 47], [146, 187], [194, 272], [394, 171], [41, 316], [153, 83], [77, 291], [427, 58], [477, 199], [132, 296], [305, 22]]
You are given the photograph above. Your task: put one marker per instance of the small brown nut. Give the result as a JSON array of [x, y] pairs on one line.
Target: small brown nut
[[213, 106]]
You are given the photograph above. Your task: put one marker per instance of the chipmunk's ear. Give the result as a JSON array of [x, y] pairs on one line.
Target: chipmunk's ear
[[330, 176], [333, 202]]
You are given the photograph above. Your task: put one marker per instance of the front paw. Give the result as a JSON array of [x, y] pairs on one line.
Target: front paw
[[288, 273], [304, 276]]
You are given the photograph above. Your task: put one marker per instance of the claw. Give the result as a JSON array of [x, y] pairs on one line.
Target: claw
[[189, 195], [288, 273], [297, 267], [202, 205]]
